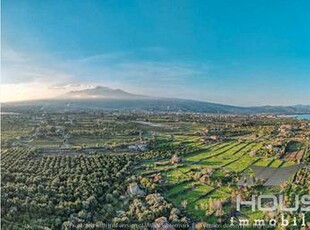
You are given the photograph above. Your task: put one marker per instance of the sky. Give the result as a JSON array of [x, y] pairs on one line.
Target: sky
[[236, 52]]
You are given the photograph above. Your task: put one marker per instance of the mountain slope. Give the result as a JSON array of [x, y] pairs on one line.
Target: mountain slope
[[104, 98], [100, 92]]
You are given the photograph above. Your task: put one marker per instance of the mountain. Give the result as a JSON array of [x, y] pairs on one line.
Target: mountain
[[100, 92], [104, 98]]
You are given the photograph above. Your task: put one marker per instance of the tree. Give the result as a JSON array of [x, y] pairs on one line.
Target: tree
[[184, 204]]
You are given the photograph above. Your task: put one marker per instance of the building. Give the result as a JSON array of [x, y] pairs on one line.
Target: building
[[135, 190]]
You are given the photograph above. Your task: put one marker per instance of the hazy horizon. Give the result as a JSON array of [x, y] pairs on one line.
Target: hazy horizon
[[193, 50], [58, 97]]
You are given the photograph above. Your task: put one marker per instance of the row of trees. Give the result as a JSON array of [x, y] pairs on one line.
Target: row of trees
[[47, 190]]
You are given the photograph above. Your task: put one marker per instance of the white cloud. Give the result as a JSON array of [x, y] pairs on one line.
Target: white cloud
[[103, 57], [18, 67], [26, 78]]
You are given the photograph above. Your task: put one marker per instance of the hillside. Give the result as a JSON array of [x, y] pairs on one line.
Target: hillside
[[100, 92]]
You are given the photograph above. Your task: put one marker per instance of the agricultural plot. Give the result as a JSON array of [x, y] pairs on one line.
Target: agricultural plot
[[241, 164], [200, 207], [288, 163], [276, 163], [191, 193], [13, 128], [215, 162], [186, 168], [187, 138], [294, 151], [225, 157], [297, 155], [211, 152], [174, 176], [236, 159], [54, 183], [252, 215], [167, 170], [178, 188], [263, 162], [232, 156], [226, 189], [46, 143]]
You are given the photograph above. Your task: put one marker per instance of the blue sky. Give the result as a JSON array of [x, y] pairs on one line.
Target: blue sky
[[229, 51]]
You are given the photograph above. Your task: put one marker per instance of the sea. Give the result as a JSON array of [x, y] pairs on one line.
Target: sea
[[299, 116]]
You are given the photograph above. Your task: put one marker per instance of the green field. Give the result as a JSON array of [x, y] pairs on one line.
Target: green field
[[186, 188]]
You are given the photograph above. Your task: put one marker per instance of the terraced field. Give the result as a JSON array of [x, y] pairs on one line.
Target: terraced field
[[175, 176], [276, 163], [189, 192], [200, 207]]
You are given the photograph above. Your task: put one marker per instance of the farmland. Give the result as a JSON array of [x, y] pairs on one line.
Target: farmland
[[84, 170]]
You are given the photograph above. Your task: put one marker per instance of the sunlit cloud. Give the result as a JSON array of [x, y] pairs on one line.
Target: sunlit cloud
[[26, 78], [25, 91]]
